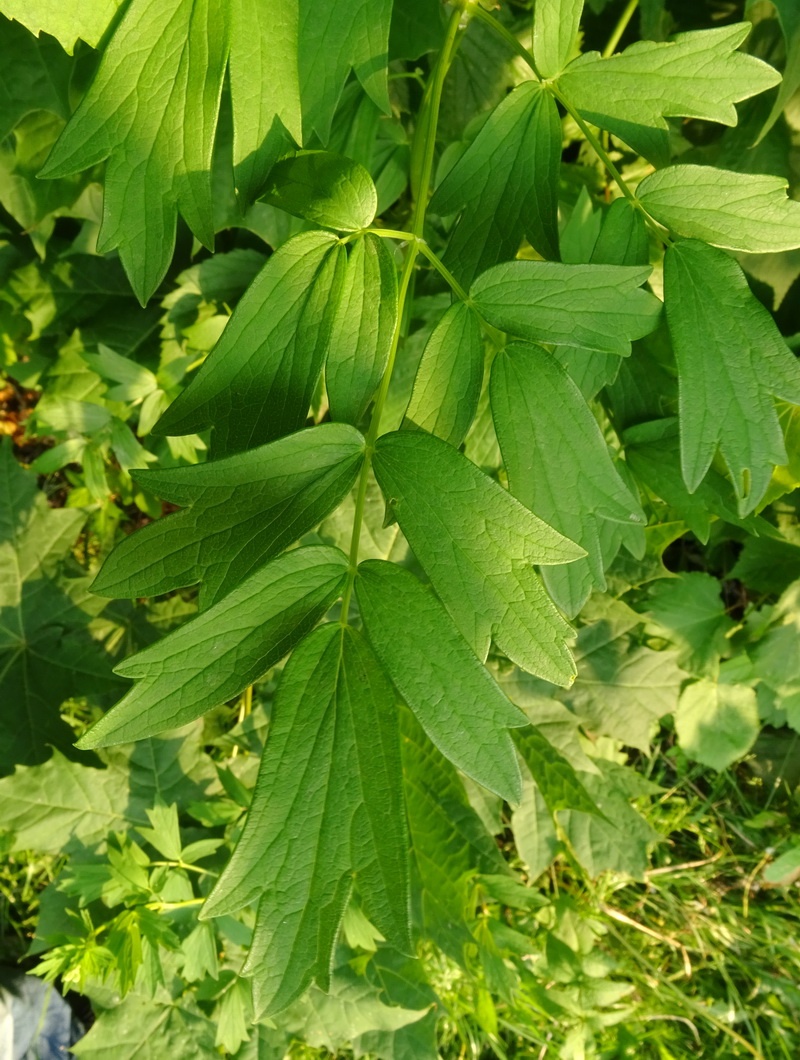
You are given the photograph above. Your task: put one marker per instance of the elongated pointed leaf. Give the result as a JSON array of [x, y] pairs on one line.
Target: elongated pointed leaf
[[557, 780], [477, 544], [258, 381], [506, 182], [739, 211], [447, 387], [324, 188], [216, 655], [555, 30], [362, 330], [695, 75], [597, 307], [329, 783], [559, 466], [333, 38], [732, 360], [152, 111], [242, 511], [454, 698]]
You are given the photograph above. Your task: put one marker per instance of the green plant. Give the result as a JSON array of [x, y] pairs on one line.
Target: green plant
[[444, 418]]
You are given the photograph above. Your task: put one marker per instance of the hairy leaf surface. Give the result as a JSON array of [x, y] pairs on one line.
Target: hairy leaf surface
[[242, 511], [477, 545]]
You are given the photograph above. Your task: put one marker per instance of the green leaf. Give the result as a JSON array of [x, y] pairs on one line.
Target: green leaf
[[534, 829], [402, 980], [324, 188], [456, 701], [717, 724], [448, 381], [215, 656], [67, 21], [164, 833], [695, 75], [50, 807], [141, 1029], [652, 451], [621, 689], [333, 38], [596, 307], [558, 782], [731, 361], [506, 184], [242, 511], [334, 717], [151, 111], [47, 648], [477, 544], [549, 439], [363, 329], [690, 612], [555, 32], [258, 382], [35, 76], [738, 211]]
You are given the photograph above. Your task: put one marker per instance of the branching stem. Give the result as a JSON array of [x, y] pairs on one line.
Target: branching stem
[[427, 130]]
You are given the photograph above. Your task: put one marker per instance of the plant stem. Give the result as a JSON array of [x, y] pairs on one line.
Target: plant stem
[[620, 28], [427, 130], [443, 271]]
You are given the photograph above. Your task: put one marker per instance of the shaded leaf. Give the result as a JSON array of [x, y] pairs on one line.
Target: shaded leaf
[[324, 188], [717, 723]]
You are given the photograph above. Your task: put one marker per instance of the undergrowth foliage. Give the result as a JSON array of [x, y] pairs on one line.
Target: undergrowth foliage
[[472, 394]]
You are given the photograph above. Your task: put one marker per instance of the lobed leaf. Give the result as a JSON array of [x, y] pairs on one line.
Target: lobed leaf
[[324, 188], [559, 466], [476, 544], [216, 655], [454, 698], [447, 386], [596, 307], [731, 361], [242, 511], [506, 184], [738, 211], [258, 381], [695, 75], [309, 829], [363, 329]]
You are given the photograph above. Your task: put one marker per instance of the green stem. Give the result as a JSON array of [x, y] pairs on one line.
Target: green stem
[[620, 28], [552, 87], [426, 129], [443, 271]]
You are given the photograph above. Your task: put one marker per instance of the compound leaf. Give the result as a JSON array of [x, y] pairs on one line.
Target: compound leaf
[[596, 307], [731, 361], [555, 30], [258, 381], [695, 75], [454, 698], [325, 188], [506, 183], [447, 386], [329, 782], [363, 329], [559, 466], [242, 511], [217, 654], [477, 544], [333, 38], [739, 211]]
